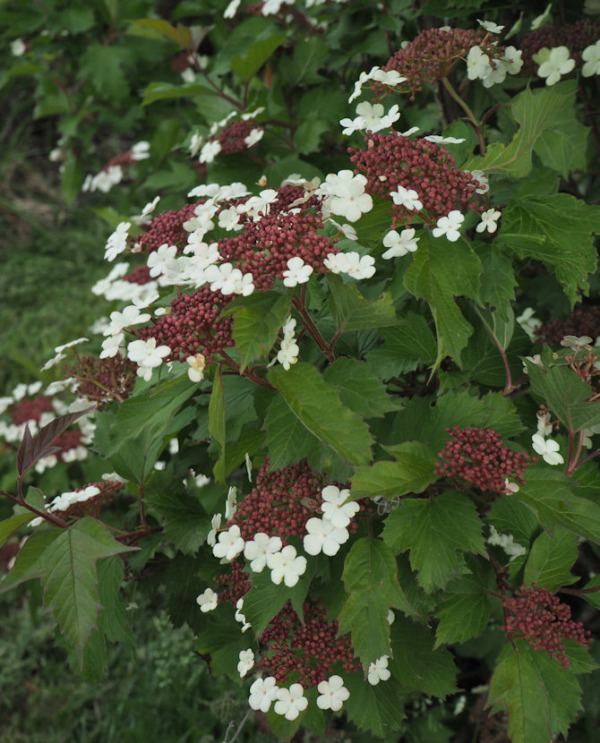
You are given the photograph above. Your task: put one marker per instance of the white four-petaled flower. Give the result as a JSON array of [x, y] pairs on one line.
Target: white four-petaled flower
[[547, 448], [258, 549], [554, 63], [333, 694], [286, 566], [262, 693], [489, 221], [298, 272], [230, 544], [449, 226], [290, 702], [399, 244], [208, 600], [246, 661], [406, 197], [336, 506], [378, 671], [323, 536]]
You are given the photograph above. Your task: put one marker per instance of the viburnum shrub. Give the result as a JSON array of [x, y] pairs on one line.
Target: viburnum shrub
[[341, 415]]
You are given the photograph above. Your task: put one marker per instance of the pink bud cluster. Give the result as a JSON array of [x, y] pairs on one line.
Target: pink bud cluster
[[575, 36], [192, 326], [584, 320], [103, 380], [232, 137], [30, 409], [305, 651], [479, 456], [281, 502], [432, 55], [139, 275], [234, 584], [538, 616], [392, 160], [285, 230], [92, 506], [166, 228]]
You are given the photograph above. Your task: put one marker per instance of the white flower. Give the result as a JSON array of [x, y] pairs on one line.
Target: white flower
[[231, 503], [140, 151], [17, 47], [239, 617], [262, 693], [215, 523], [490, 26], [333, 694], [554, 63], [288, 352], [117, 242], [478, 64], [437, 139], [547, 448], [352, 125], [352, 263], [258, 549], [298, 272], [336, 506], [209, 151], [323, 536], [59, 355], [197, 365], [480, 177], [345, 195], [399, 244], [230, 544], [407, 198], [231, 9], [160, 260], [286, 566], [119, 320], [449, 226], [229, 219], [378, 671], [512, 60], [489, 221], [542, 19], [591, 57], [207, 601], [528, 322], [290, 702], [255, 136], [147, 353], [507, 543], [246, 661], [347, 230], [111, 346]]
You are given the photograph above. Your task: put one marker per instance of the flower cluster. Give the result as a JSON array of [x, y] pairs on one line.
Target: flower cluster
[[85, 501], [480, 457], [434, 53], [539, 616], [575, 37], [305, 651], [114, 171], [101, 380], [424, 176], [26, 409]]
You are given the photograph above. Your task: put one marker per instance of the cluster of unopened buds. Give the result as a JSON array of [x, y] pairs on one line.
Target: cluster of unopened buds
[[538, 616]]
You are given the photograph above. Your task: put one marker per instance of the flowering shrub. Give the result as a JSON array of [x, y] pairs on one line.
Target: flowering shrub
[[308, 424]]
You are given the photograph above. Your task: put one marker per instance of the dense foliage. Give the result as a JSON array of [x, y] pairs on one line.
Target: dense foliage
[[341, 416]]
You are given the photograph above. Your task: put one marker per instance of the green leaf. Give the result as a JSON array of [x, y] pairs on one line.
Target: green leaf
[[308, 134], [497, 281], [371, 582], [309, 55], [440, 272], [405, 347], [375, 709], [551, 559], [216, 422], [437, 531], [317, 406], [180, 35], [538, 112], [415, 662], [70, 179], [184, 520], [351, 311], [548, 494], [466, 608], [165, 91], [9, 526], [360, 388], [256, 322], [247, 66], [567, 394], [102, 66], [540, 696], [288, 440], [412, 472], [557, 230], [65, 562]]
